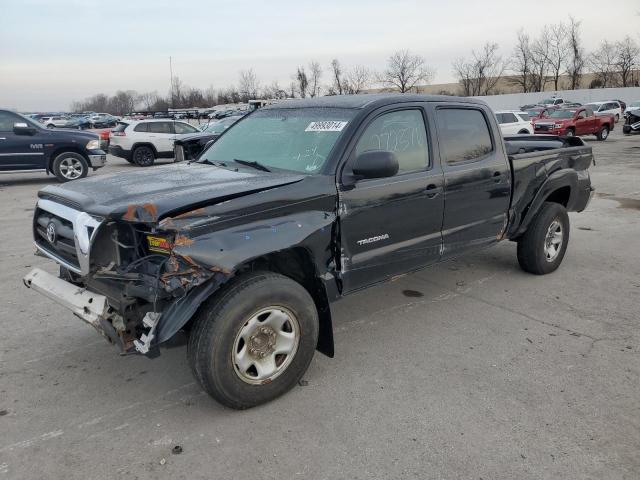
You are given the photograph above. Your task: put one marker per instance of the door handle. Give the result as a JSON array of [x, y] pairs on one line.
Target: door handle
[[433, 190]]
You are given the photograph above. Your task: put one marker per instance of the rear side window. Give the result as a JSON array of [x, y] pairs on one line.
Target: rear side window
[[524, 117], [120, 127], [402, 133], [463, 135], [506, 118], [141, 127]]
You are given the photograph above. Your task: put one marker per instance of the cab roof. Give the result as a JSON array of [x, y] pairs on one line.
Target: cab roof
[[370, 100]]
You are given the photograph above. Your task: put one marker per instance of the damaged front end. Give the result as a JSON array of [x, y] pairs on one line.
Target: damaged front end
[[130, 278]]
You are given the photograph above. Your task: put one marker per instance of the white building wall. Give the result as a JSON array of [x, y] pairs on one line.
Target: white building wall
[[513, 101]]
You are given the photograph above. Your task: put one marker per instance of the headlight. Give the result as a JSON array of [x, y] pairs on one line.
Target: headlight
[[557, 125], [93, 145]]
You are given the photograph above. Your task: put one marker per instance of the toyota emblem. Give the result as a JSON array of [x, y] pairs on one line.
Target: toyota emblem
[[51, 232]]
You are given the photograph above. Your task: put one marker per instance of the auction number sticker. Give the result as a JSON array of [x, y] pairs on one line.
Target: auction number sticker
[[326, 126]]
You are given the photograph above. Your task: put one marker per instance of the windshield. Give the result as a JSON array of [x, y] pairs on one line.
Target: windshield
[[298, 139], [563, 114], [548, 101], [634, 104], [534, 113]]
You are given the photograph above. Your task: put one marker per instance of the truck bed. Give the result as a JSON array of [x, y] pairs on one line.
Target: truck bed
[[536, 159]]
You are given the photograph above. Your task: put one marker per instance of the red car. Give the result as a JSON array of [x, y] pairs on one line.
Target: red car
[[578, 121]]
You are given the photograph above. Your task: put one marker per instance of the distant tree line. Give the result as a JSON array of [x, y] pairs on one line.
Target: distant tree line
[[554, 57]]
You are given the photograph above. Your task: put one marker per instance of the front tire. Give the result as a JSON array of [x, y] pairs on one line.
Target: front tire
[[69, 166], [253, 340], [542, 247], [569, 133], [143, 156]]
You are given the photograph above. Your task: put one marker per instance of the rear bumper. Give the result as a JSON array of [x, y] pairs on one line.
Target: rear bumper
[[118, 151]]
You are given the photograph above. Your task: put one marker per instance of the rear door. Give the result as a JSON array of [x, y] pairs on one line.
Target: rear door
[[162, 136], [391, 225], [20, 152], [477, 178]]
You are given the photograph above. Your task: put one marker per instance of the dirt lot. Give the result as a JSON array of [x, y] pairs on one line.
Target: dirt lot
[[485, 372]]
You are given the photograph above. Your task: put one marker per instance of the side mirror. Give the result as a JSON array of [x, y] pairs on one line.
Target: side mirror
[[376, 164], [22, 128]]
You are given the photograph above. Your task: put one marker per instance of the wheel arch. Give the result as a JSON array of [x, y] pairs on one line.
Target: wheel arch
[[65, 149], [144, 144], [560, 187]]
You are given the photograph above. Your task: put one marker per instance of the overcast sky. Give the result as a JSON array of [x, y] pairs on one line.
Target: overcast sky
[[55, 51]]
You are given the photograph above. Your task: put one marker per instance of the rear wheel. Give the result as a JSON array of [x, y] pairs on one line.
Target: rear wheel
[[51, 125], [542, 247], [524, 132], [253, 340], [603, 134], [143, 156], [69, 166], [617, 117]]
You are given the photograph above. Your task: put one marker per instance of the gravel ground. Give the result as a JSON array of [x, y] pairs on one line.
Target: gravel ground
[[482, 371]]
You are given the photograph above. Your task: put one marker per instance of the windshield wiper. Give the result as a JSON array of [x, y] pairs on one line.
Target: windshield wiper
[[210, 162], [254, 164]]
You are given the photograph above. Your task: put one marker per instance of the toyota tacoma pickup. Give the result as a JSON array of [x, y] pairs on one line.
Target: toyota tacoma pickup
[[576, 121], [293, 207], [26, 146]]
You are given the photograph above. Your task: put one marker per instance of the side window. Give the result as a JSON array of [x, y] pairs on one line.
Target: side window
[[589, 112], [160, 127], [524, 117], [184, 128], [7, 119], [141, 127], [582, 114], [463, 134], [559, 101], [402, 133]]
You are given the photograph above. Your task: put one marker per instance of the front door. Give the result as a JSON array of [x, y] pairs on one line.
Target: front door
[[477, 179], [19, 152], [391, 225], [584, 124]]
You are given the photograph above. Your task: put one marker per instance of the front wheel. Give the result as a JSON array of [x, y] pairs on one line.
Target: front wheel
[[603, 134], [542, 247], [569, 133], [253, 340], [70, 166]]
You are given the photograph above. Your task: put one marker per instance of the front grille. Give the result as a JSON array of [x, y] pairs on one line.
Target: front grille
[[64, 234], [63, 244]]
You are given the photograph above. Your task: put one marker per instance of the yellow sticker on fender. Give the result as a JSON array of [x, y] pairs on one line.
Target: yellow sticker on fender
[[159, 244]]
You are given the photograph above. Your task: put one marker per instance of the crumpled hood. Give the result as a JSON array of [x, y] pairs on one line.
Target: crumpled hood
[[148, 195]]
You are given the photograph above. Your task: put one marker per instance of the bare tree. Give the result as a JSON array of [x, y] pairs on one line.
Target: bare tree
[[627, 56], [210, 97], [274, 91], [575, 60], [302, 82], [540, 58], [481, 74], [176, 92], [405, 71], [315, 74], [603, 64], [123, 102], [336, 70], [357, 80], [522, 62], [248, 85], [148, 99], [558, 51]]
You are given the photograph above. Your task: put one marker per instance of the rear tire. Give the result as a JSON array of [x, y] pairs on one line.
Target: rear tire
[[603, 134], [69, 166], [143, 156], [617, 117], [243, 373], [542, 247]]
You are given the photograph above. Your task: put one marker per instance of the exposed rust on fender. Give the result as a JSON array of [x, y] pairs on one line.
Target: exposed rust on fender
[[182, 241], [145, 213], [191, 213]]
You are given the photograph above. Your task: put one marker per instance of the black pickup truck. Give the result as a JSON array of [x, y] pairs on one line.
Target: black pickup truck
[[26, 146], [292, 208]]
